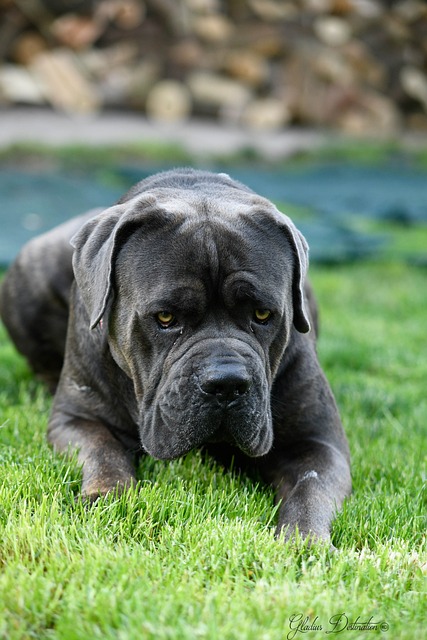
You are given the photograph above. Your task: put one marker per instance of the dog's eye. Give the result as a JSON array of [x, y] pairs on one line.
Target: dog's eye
[[165, 319], [262, 315]]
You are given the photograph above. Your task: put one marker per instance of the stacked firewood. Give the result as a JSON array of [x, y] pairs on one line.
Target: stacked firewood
[[356, 65]]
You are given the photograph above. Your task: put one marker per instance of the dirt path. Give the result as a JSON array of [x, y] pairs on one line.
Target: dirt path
[[195, 136]]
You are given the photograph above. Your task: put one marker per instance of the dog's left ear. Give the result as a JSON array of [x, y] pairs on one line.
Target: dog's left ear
[[300, 249]]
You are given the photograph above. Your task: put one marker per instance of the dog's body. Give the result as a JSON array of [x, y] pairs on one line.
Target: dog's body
[[183, 322]]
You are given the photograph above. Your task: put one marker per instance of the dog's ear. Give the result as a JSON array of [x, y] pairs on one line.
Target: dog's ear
[[300, 249], [95, 248]]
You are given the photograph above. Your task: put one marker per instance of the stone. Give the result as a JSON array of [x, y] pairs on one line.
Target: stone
[[417, 122], [273, 10], [365, 67], [75, 31], [318, 6], [332, 31], [368, 9], [186, 54], [247, 66], [126, 14], [216, 91], [27, 46], [100, 63], [18, 85], [369, 114], [410, 10], [168, 100], [203, 6], [142, 78], [266, 114], [414, 83], [330, 65], [63, 82], [130, 14], [213, 28]]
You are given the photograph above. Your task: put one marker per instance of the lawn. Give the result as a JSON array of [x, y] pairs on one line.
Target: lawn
[[192, 554]]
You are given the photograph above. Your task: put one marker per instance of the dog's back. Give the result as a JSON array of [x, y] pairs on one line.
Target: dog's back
[[34, 298]]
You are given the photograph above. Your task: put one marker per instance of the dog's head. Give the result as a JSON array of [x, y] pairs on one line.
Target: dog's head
[[200, 281]]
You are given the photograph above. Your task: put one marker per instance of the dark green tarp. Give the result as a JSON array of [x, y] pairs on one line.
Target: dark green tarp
[[328, 201]]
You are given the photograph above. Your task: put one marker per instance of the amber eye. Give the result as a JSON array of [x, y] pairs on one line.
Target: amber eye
[[165, 319], [262, 315]]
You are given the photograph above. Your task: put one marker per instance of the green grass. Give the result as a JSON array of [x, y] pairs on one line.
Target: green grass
[[192, 554], [74, 156], [341, 149]]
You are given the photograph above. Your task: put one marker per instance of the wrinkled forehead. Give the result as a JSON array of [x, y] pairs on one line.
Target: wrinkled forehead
[[226, 214], [213, 200], [203, 257], [209, 238]]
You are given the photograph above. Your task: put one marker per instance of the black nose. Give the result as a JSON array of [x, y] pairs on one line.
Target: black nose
[[225, 381]]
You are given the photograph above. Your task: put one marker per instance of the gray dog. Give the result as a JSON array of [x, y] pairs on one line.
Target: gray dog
[[180, 317]]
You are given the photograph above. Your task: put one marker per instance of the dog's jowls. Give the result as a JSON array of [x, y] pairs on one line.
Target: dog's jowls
[[177, 318]]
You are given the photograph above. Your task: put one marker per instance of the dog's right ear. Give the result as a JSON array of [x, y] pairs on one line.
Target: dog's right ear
[[95, 248], [92, 259]]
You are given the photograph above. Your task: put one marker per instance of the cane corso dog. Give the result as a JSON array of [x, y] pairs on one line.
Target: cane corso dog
[[178, 318]]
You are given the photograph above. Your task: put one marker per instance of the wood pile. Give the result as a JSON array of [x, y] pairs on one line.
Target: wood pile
[[356, 65]]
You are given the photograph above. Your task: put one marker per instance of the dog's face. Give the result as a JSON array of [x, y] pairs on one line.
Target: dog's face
[[202, 288]]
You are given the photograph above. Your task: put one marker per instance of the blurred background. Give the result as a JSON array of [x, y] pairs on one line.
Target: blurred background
[[248, 85], [359, 66]]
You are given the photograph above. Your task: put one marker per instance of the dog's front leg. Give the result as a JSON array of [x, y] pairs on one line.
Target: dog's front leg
[[105, 463], [312, 478]]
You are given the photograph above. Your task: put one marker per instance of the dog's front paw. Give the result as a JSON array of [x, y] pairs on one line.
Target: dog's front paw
[[94, 489], [301, 536]]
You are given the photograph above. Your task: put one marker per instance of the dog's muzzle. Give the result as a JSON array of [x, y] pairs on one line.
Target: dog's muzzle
[[209, 397]]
